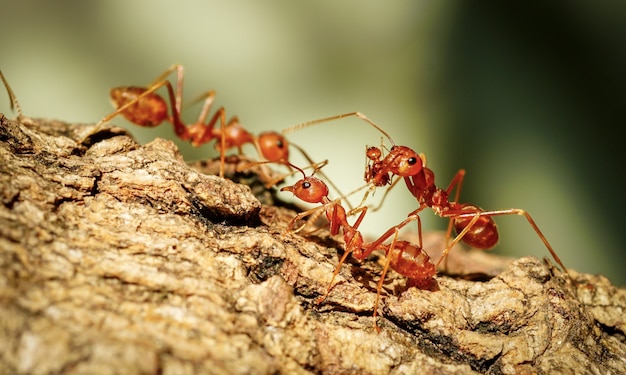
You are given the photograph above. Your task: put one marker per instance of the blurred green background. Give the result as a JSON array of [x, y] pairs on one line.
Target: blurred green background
[[528, 97]]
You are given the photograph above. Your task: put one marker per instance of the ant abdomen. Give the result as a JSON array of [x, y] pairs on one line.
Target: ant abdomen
[[149, 111], [483, 234], [410, 261]]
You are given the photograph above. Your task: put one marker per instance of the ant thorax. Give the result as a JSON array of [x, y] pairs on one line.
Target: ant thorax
[[439, 201]]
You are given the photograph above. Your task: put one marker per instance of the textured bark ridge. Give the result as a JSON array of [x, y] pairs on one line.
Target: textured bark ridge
[[122, 258]]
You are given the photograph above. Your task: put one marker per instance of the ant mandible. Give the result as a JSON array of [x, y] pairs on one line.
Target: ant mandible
[[406, 258], [143, 107], [473, 225]]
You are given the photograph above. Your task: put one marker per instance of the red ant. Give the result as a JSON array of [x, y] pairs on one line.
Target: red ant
[[473, 225], [143, 107], [404, 257]]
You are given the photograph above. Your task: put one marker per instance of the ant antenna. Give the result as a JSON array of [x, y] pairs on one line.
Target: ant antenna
[[291, 129], [316, 166], [15, 105], [297, 168]]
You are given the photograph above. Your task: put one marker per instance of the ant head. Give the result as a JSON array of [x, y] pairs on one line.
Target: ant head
[[309, 189], [273, 146], [373, 153], [403, 161]]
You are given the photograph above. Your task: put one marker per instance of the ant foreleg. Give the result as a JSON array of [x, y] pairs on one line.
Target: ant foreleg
[[313, 212]]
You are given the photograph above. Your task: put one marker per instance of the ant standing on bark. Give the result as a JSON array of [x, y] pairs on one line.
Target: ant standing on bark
[[473, 225], [407, 259], [144, 107]]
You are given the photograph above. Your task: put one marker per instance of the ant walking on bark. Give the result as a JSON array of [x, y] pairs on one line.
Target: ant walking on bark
[[473, 225], [144, 107], [404, 257]]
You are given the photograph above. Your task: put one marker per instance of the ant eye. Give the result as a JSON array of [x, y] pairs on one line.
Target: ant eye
[[412, 160], [306, 185], [280, 144]]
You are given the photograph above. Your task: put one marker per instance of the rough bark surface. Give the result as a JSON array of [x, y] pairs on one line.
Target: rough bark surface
[[121, 258]]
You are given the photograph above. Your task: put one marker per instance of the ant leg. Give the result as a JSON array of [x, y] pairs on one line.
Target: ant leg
[[379, 287], [299, 216], [447, 244], [222, 113], [208, 98], [206, 132], [200, 132], [332, 279], [179, 128], [475, 216], [419, 232], [457, 181], [179, 83], [12, 98], [458, 237], [315, 214], [350, 248], [369, 248]]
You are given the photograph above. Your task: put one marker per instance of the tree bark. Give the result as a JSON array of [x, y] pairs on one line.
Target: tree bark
[[122, 258]]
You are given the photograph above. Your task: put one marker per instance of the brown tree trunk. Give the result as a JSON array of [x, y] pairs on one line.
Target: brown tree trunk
[[121, 258]]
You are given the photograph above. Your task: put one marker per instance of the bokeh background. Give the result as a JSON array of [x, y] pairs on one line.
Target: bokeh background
[[528, 97]]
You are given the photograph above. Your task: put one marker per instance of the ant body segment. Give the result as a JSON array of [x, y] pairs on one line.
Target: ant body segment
[[473, 225], [408, 259]]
